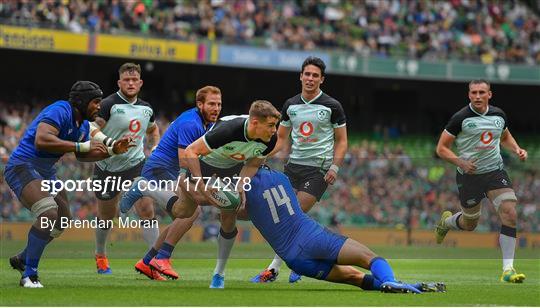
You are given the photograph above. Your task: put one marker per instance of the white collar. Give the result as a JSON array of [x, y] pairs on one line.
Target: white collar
[[478, 113], [311, 101], [125, 99]]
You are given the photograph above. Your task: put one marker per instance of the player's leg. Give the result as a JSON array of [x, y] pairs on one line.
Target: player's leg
[[382, 278], [107, 209], [143, 265], [26, 183], [148, 186], [175, 231], [505, 201], [64, 212], [18, 261], [471, 193], [225, 241], [144, 208], [43, 205], [327, 256]]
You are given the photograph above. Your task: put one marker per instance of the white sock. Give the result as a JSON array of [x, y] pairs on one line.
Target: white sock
[[451, 222], [101, 240], [224, 250], [150, 234], [160, 196], [508, 247], [276, 264]]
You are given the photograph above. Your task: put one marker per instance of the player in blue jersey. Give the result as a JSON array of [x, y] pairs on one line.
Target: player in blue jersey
[[60, 128], [310, 249], [164, 164]]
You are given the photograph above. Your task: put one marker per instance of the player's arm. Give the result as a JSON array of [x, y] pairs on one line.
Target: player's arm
[[120, 146], [340, 149], [192, 153], [444, 151], [509, 143], [249, 170], [47, 140], [114, 147], [283, 144], [153, 135]]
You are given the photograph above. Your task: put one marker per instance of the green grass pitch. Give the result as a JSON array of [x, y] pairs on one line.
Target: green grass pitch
[[68, 273]]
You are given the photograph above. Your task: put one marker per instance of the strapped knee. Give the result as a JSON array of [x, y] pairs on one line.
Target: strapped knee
[[43, 205], [56, 232], [471, 216], [505, 196]]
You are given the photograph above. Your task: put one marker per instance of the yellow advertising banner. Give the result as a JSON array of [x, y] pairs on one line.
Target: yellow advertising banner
[[42, 40], [11, 231], [145, 48]]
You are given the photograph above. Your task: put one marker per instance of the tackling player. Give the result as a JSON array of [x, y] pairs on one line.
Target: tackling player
[[60, 128], [124, 114], [479, 130], [308, 248], [316, 125]]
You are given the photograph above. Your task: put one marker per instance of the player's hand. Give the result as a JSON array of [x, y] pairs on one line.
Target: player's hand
[[242, 206], [206, 190], [522, 154], [97, 147], [330, 177], [194, 191], [122, 145], [468, 166]]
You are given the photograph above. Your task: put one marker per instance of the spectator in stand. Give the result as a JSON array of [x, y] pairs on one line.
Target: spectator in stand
[[480, 31]]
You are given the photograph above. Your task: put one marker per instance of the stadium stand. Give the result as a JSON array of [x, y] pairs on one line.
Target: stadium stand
[[478, 31], [380, 180]]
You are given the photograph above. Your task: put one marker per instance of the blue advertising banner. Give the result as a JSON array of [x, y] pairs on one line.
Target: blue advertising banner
[[266, 58]]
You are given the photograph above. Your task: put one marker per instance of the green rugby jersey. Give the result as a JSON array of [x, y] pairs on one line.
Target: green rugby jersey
[[124, 118], [478, 136], [313, 125], [230, 145]]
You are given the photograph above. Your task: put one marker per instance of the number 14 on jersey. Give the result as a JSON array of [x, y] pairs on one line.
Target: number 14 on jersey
[[273, 197]]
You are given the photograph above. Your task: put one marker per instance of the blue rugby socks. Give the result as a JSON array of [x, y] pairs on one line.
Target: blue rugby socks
[[37, 240], [149, 255], [165, 251], [370, 283], [381, 270]]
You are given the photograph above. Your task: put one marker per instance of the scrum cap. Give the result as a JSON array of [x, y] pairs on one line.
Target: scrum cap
[[82, 93]]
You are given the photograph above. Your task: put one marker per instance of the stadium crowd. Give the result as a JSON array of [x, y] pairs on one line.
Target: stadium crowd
[[468, 30], [378, 185]]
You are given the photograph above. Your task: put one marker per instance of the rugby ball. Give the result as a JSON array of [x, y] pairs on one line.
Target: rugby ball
[[227, 197]]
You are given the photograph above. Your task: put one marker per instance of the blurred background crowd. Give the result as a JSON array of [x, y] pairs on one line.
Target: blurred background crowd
[[380, 184], [467, 30]]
